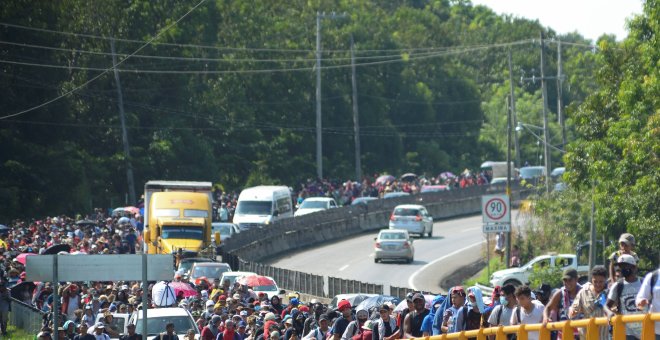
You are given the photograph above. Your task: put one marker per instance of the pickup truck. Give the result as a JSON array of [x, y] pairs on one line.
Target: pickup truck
[[520, 275]]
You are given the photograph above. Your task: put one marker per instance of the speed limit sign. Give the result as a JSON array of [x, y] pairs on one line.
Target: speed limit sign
[[495, 209]]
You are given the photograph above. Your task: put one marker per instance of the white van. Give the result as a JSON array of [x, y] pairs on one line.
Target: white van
[[262, 205]]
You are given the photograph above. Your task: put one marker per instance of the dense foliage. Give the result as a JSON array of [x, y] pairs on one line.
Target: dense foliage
[[228, 93]]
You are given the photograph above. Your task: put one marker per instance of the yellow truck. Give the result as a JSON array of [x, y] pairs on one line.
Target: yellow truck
[[178, 218]]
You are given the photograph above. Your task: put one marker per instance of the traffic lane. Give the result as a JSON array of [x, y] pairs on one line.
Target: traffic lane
[[353, 258]]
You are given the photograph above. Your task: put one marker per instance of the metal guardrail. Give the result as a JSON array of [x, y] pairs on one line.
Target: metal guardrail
[[26, 317], [345, 220], [591, 328]]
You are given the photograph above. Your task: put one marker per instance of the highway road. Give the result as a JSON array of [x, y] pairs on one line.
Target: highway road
[[455, 243]]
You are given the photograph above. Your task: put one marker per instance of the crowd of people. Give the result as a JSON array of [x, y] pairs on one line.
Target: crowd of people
[[224, 311]]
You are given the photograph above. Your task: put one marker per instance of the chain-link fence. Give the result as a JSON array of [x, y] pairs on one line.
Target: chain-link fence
[[25, 317]]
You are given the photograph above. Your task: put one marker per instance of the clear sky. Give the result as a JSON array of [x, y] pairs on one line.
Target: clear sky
[[591, 18]]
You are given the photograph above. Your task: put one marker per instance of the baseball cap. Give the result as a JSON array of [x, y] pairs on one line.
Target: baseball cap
[[459, 290], [343, 304], [368, 325], [418, 296], [209, 303], [244, 313], [323, 317], [384, 307], [627, 238], [295, 301], [242, 324], [99, 325], [570, 273], [215, 319], [628, 259]]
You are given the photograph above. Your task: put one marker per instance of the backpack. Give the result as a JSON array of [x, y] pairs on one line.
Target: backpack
[[654, 279]]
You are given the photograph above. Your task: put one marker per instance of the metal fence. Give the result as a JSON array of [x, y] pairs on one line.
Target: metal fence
[[240, 252], [25, 317]]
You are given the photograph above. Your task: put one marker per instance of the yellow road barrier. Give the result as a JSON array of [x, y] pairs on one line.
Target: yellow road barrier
[[591, 326]]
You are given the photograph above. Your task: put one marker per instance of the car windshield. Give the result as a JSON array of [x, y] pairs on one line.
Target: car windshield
[[209, 271], [223, 229], [406, 212], [195, 213], [363, 200], [166, 213], [254, 207], [156, 325], [178, 232], [531, 172], [313, 204], [392, 236]]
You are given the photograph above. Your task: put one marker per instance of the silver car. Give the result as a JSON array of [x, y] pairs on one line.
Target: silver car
[[413, 218], [394, 244]]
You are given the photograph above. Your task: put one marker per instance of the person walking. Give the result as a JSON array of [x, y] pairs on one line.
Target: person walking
[[621, 298], [412, 325], [501, 314], [131, 335], [626, 246], [469, 316], [590, 301], [529, 311], [5, 307], [561, 301], [385, 327], [339, 327], [169, 333], [645, 297]]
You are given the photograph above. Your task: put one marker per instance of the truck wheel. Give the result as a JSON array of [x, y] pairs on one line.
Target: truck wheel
[[375, 260], [514, 283]]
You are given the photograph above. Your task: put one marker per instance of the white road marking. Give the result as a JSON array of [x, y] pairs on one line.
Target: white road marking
[[411, 280], [344, 267], [470, 229]]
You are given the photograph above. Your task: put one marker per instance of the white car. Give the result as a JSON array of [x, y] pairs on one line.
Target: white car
[[270, 290], [157, 318], [394, 244], [520, 275], [233, 276], [119, 323], [412, 217], [314, 204]]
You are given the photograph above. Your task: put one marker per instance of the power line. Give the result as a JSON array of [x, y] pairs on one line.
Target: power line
[[106, 70], [257, 71], [84, 35], [202, 59]]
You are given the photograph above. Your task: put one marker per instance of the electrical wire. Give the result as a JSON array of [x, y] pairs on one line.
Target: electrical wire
[[259, 71], [84, 35], [106, 70]]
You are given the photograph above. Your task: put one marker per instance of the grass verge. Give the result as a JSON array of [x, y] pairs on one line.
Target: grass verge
[[482, 277], [14, 333]]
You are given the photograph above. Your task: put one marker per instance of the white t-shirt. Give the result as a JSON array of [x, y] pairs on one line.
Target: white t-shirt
[[535, 316], [627, 303], [647, 292]]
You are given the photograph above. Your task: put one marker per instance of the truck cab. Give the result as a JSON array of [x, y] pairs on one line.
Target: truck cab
[[520, 275], [178, 218]]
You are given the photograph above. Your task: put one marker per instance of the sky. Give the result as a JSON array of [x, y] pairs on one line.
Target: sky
[[591, 18]]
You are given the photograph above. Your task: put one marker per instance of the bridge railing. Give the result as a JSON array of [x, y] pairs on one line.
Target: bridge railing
[[590, 327], [26, 317], [245, 250]]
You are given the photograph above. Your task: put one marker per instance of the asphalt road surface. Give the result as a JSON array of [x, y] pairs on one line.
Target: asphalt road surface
[[455, 243]]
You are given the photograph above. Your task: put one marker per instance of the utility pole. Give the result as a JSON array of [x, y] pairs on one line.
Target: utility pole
[[560, 111], [508, 173], [319, 130], [356, 118], [513, 111], [592, 232], [124, 133], [544, 92], [319, 142]]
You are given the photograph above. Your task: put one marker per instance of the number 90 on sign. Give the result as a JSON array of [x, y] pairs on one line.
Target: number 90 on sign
[[495, 209]]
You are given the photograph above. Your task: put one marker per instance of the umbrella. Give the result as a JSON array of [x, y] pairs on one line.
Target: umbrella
[[85, 222], [447, 175], [183, 287], [132, 210], [256, 281], [409, 177], [56, 249], [21, 257], [118, 211], [384, 179], [123, 220], [23, 291], [375, 302], [403, 305], [4, 227]]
